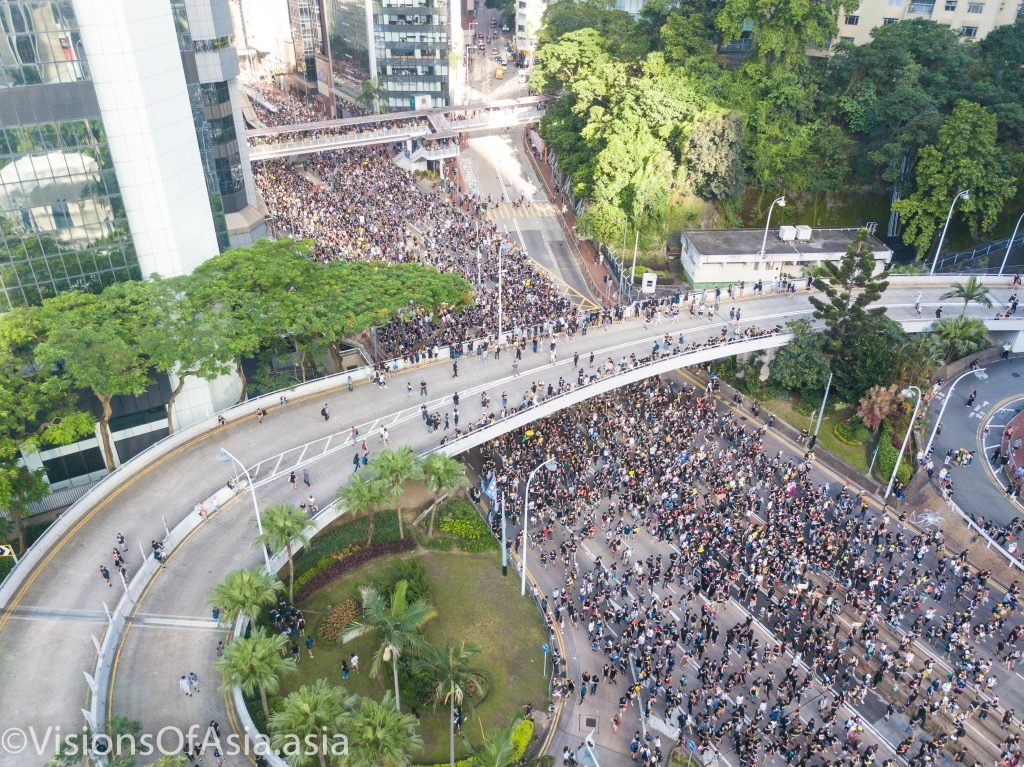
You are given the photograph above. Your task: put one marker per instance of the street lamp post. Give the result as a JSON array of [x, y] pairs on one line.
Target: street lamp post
[[1010, 245], [781, 202], [504, 539], [966, 195], [906, 438], [632, 271], [550, 464], [224, 457], [824, 401], [501, 266], [949, 395]]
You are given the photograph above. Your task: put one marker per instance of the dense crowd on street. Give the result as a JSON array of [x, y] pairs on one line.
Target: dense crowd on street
[[357, 204], [688, 507]]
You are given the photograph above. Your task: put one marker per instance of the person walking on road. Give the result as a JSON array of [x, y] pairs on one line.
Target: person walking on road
[[193, 681], [293, 481], [305, 478], [973, 396], [185, 686], [105, 574], [455, 370], [325, 412]]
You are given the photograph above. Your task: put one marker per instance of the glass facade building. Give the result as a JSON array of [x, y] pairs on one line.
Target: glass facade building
[[411, 45], [304, 16], [62, 219], [41, 43]]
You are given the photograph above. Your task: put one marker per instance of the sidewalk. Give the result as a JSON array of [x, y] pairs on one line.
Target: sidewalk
[[584, 252]]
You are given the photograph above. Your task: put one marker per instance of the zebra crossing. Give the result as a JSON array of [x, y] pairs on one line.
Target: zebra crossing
[[506, 211]]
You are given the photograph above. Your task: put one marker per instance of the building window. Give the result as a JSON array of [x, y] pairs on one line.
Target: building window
[[521, 28], [969, 31], [846, 39], [852, 21], [975, 7], [950, 6], [887, 21]]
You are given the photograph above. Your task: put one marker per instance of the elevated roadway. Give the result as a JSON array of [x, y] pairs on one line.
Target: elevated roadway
[[54, 625]]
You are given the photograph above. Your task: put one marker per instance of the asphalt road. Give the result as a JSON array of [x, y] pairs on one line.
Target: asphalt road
[[977, 487]]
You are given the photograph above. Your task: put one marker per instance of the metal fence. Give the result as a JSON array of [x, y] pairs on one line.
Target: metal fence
[[978, 260]]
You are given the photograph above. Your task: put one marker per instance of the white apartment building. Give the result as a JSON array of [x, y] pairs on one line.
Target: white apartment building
[[973, 18]]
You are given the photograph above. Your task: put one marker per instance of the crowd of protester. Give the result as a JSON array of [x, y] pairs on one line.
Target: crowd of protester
[[688, 506], [358, 204]]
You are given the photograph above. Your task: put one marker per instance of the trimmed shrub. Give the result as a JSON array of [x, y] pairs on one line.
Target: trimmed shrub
[[521, 737], [887, 453], [849, 433], [338, 618], [439, 544], [458, 508], [385, 529], [409, 570], [471, 534], [341, 566]]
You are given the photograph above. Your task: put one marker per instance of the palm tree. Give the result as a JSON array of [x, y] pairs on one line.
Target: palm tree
[[394, 468], [312, 714], [918, 358], [397, 627], [254, 663], [285, 527], [498, 748], [444, 476], [380, 735], [971, 291], [362, 494], [457, 681], [246, 592], [961, 336]]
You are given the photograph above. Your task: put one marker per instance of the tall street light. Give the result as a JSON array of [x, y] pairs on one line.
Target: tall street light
[[964, 195], [949, 396], [781, 202], [225, 457], [501, 270], [906, 394], [1009, 244], [550, 464]]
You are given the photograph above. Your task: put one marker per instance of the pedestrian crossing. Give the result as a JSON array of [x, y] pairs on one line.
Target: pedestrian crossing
[[506, 211]]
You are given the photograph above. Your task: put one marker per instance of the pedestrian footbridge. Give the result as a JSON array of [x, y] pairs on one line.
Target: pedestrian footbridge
[[154, 495], [445, 123]]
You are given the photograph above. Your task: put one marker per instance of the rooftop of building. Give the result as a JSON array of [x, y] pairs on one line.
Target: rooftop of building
[[738, 242]]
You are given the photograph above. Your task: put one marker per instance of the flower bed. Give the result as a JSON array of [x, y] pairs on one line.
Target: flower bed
[[337, 567]]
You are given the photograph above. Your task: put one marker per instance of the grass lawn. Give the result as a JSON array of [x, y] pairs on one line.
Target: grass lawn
[[856, 456], [506, 626]]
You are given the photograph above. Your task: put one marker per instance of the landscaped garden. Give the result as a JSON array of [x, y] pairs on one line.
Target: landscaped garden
[[872, 370], [473, 602], [418, 597]]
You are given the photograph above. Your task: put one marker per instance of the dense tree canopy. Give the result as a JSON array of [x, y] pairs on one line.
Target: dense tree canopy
[[646, 111], [966, 156], [112, 342]]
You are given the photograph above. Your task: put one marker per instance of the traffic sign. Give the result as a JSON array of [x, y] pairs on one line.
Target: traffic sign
[[7, 550], [545, 647], [691, 746]]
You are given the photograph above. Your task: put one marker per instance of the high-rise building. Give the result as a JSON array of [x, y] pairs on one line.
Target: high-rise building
[[122, 155], [304, 18], [119, 143], [529, 15], [412, 50]]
